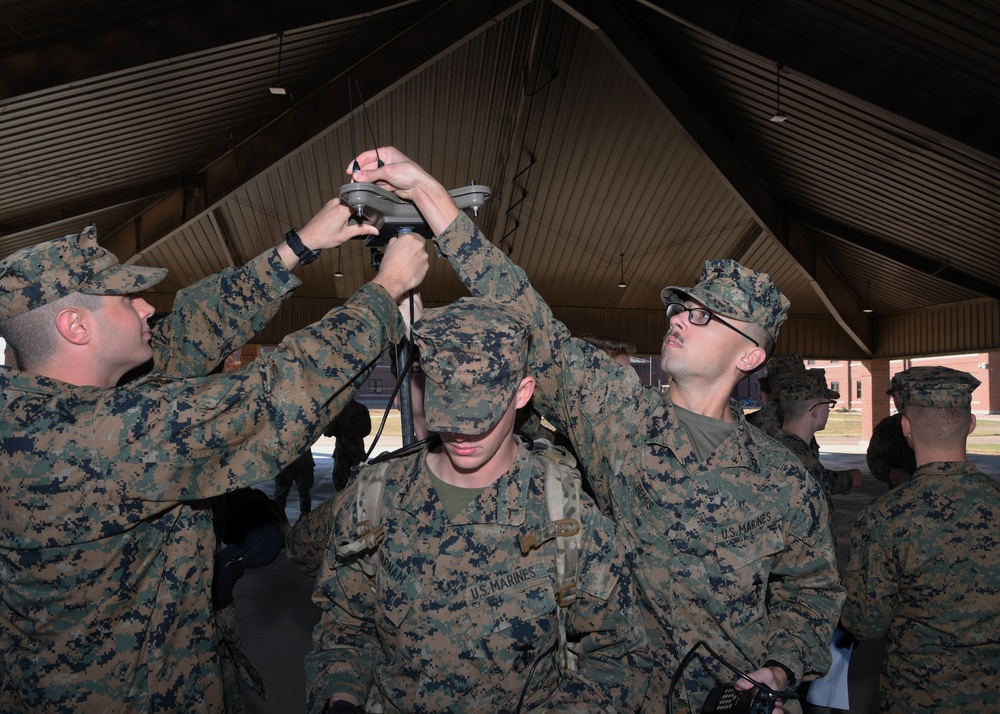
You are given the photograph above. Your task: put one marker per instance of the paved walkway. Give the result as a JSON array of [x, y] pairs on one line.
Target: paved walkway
[[277, 615]]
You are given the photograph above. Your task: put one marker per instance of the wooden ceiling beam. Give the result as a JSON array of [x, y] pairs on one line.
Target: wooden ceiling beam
[[440, 29], [632, 46]]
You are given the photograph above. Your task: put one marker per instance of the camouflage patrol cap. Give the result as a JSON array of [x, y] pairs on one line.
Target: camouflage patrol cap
[[42, 273], [782, 364], [894, 385], [937, 387], [803, 385], [472, 353], [727, 288]]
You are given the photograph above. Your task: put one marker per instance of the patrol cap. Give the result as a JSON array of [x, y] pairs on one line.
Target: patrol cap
[[728, 289], [42, 273], [804, 385], [779, 365], [473, 354], [894, 385], [937, 387], [783, 364]]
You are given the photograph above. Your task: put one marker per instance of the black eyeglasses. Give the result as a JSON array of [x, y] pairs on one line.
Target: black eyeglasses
[[831, 403], [702, 316]]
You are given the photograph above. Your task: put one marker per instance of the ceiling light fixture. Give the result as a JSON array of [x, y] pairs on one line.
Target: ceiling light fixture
[[868, 300], [276, 88], [778, 116], [623, 284], [338, 274]]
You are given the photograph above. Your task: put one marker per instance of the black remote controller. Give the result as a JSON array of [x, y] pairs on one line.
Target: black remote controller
[[728, 700]]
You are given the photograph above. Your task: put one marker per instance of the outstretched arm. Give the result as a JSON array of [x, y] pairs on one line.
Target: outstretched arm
[[575, 381]]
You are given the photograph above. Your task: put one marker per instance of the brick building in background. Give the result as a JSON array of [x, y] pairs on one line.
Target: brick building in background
[[861, 381]]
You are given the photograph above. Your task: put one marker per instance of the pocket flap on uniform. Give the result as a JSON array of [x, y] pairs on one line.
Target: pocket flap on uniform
[[739, 544]]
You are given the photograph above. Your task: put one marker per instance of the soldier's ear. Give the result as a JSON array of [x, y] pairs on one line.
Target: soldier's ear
[[906, 426], [972, 423], [752, 359], [524, 391], [73, 325]]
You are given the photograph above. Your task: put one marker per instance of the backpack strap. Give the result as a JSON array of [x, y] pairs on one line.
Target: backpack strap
[[368, 529], [562, 498], [369, 495]]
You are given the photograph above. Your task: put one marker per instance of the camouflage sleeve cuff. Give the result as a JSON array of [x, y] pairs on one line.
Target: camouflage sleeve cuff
[[790, 660], [462, 225], [789, 674], [343, 683], [380, 302], [272, 271]]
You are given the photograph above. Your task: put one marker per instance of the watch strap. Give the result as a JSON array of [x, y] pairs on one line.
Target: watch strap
[[305, 254]]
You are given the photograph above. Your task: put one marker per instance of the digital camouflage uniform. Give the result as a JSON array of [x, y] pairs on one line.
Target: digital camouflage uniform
[[350, 428], [105, 561], [459, 618], [735, 550], [805, 386], [924, 571], [889, 449], [769, 417], [770, 420], [301, 472]]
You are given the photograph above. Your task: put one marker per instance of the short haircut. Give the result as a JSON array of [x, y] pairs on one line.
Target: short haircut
[[762, 337], [32, 335], [794, 409], [946, 426]]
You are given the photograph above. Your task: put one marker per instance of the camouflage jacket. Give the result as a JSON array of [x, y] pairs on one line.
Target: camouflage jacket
[[924, 571], [889, 449], [736, 551], [769, 420], [105, 555], [832, 482], [460, 619]]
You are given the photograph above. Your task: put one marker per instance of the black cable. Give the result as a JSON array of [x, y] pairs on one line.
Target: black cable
[[364, 110], [531, 672], [401, 375], [385, 415], [354, 138], [687, 659]]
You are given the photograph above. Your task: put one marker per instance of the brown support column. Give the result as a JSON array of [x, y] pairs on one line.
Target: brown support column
[[849, 392], [248, 354], [875, 403], [993, 381]]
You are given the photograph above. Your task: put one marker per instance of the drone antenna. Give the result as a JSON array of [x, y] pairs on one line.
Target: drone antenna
[[364, 110], [354, 138]]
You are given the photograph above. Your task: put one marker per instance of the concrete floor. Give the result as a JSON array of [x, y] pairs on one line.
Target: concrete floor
[[277, 615]]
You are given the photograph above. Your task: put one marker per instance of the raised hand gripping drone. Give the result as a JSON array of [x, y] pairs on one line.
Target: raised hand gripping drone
[[387, 211], [392, 215]]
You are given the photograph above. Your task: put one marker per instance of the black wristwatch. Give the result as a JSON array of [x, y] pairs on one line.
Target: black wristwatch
[[306, 255], [788, 672]]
